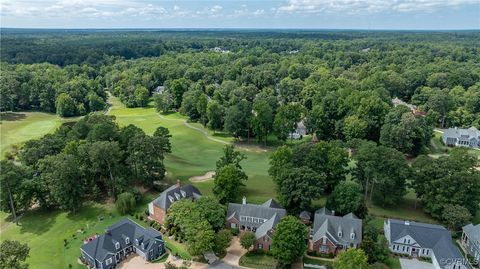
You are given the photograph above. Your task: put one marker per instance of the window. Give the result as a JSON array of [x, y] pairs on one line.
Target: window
[[109, 261], [352, 236], [127, 240], [339, 233], [184, 194], [117, 245], [260, 246], [233, 225], [265, 239]]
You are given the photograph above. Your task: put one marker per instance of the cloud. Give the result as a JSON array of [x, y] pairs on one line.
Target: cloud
[[368, 6], [79, 8]]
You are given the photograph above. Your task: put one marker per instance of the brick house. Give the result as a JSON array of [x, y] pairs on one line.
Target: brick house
[[157, 209], [332, 234], [259, 219]]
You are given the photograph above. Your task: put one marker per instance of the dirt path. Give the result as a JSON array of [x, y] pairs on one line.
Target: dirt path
[[205, 133], [206, 177]]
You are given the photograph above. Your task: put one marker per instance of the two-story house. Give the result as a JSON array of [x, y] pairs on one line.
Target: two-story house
[[458, 137], [260, 219], [331, 234], [119, 241], [471, 241], [157, 209], [424, 240]]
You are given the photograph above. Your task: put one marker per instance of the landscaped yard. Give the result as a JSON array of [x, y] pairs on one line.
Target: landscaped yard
[[258, 261], [45, 230], [18, 127]]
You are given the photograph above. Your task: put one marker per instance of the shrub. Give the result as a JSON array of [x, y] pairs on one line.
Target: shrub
[[235, 231]]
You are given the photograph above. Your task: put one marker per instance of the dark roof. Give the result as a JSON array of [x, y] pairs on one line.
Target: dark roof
[[175, 193], [305, 215], [102, 247], [325, 224], [432, 236], [270, 211]]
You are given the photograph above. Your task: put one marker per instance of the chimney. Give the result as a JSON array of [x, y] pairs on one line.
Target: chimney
[[333, 212], [244, 200], [178, 183]]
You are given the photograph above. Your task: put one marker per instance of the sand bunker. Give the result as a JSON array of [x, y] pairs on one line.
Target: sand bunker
[[208, 176]]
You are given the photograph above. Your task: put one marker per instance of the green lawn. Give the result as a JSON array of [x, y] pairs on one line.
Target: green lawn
[[313, 261], [258, 261], [18, 127], [193, 154], [45, 230], [393, 263]]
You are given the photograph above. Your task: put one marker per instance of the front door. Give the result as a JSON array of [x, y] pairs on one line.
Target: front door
[[415, 252]]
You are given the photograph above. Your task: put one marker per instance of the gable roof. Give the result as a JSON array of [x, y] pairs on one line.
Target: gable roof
[[471, 132], [103, 246], [327, 225], [426, 235], [175, 193], [270, 211], [473, 233]]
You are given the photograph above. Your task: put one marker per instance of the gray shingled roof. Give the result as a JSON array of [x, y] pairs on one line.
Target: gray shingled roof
[[457, 132], [473, 232], [325, 224], [270, 210], [305, 215], [103, 247], [426, 235], [175, 193]]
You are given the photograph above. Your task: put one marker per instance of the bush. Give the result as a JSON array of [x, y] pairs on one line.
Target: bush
[[235, 231], [125, 203], [147, 213]]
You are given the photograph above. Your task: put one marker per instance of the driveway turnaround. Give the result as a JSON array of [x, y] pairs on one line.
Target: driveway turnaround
[[234, 252], [415, 264]]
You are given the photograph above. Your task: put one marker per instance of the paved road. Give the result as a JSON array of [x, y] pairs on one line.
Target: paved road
[[222, 265], [415, 264]]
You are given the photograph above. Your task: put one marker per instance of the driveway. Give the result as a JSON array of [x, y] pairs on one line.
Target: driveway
[[415, 264], [234, 252], [222, 265], [136, 262]]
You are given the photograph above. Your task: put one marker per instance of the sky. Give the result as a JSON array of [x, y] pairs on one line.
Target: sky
[[282, 14]]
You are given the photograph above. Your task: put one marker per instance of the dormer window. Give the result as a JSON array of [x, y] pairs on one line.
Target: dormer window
[[127, 240], [184, 194], [171, 199], [117, 245], [352, 236], [177, 196], [143, 246], [340, 234], [136, 242]]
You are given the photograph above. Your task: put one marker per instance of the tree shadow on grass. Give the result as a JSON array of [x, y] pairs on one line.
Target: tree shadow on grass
[[12, 116], [38, 221]]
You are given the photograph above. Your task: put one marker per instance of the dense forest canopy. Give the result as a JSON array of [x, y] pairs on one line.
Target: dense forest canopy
[[254, 83]]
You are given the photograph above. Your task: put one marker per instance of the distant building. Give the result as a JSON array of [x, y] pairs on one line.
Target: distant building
[[332, 234], [260, 219], [220, 50], [300, 132], [119, 241], [305, 217], [157, 209], [423, 240], [471, 240], [159, 89], [397, 101], [456, 137]]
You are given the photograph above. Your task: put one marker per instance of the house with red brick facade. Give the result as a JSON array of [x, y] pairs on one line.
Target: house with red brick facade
[[332, 234], [259, 219], [157, 209]]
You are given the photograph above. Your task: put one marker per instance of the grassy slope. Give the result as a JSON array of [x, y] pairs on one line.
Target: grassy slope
[[18, 127], [193, 154]]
